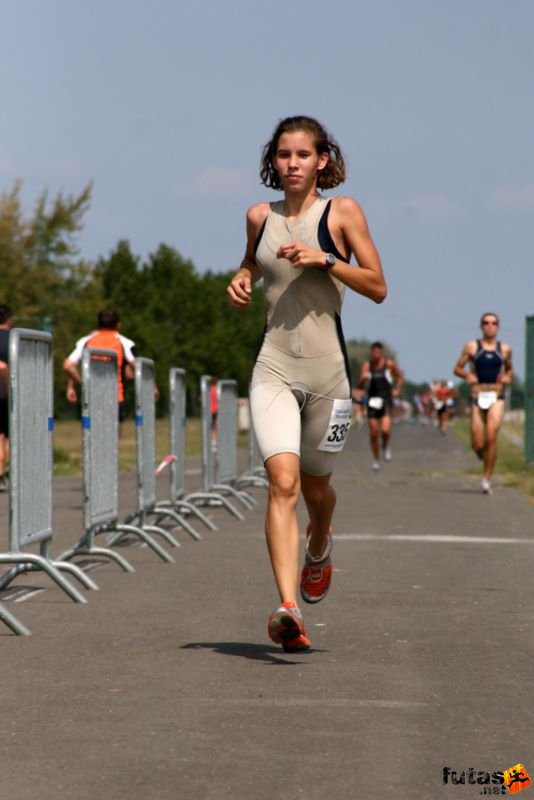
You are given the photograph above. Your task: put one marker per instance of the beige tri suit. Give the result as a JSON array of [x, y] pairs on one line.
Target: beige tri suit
[[302, 366]]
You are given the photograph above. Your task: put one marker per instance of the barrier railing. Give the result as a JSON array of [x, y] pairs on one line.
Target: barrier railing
[[31, 463], [145, 421], [12, 622], [255, 474], [100, 440], [177, 434], [529, 390], [212, 494], [226, 453]]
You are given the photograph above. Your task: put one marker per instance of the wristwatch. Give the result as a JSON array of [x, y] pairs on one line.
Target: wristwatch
[[329, 262]]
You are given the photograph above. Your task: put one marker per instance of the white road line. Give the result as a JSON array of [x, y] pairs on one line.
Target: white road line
[[429, 537], [303, 702]]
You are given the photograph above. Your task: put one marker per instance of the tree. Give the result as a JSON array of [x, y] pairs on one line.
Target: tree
[[180, 318], [41, 274]]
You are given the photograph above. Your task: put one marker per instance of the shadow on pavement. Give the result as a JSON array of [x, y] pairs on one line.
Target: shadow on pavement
[[255, 652]]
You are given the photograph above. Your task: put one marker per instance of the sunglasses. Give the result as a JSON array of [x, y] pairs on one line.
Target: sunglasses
[[489, 322]]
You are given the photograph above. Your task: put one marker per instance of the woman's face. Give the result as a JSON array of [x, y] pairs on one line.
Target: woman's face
[[298, 162]]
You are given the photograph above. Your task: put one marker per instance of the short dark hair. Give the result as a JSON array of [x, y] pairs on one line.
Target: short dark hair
[[108, 319], [378, 345], [5, 314], [490, 314], [332, 175]]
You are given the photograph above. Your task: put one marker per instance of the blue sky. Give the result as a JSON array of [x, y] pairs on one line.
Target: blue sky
[[165, 107]]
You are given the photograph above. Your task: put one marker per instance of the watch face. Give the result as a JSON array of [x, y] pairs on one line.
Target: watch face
[[330, 260]]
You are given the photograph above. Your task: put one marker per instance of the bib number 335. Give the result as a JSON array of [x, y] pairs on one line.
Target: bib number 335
[[338, 427]]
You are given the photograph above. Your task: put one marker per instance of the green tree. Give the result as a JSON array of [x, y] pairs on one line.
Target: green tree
[[180, 318], [42, 276]]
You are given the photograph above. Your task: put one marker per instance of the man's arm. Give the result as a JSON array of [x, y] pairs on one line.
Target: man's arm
[[465, 358], [73, 380], [4, 376], [399, 378], [364, 375], [508, 373]]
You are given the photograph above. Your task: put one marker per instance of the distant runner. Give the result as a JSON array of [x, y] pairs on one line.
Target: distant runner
[[383, 380], [443, 400], [490, 371]]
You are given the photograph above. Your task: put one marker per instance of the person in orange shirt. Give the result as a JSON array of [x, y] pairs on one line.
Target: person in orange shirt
[[107, 336], [443, 395]]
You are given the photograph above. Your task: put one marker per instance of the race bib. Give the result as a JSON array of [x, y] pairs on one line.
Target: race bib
[[485, 400], [376, 403], [338, 427]]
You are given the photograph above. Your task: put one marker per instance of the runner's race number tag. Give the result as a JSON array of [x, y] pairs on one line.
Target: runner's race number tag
[[338, 427], [486, 400], [376, 403]]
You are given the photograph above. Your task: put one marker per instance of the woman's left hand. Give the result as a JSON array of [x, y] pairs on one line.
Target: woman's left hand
[[300, 255]]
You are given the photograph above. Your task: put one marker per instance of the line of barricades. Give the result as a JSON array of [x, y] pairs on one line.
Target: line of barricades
[[31, 465]]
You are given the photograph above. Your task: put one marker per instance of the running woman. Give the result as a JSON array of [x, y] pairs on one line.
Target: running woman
[[490, 371], [301, 391]]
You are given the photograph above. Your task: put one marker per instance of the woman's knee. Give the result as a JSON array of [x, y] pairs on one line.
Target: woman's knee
[[284, 480]]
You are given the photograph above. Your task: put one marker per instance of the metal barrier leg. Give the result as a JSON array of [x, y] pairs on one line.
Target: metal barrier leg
[[161, 532], [100, 552], [244, 498], [29, 562], [78, 573], [138, 519], [214, 499], [183, 506], [140, 532], [162, 511], [12, 622], [255, 481]]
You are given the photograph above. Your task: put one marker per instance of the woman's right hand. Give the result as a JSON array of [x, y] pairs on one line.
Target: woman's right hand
[[239, 290]]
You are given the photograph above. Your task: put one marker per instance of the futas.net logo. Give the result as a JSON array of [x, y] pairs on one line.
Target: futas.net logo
[[509, 781]]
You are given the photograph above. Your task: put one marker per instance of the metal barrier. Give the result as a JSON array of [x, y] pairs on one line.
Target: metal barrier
[[256, 473], [226, 454], [213, 493], [31, 462], [529, 389], [12, 622], [177, 428], [145, 421], [208, 496], [100, 438]]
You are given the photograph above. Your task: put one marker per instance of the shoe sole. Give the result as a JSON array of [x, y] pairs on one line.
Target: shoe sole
[[285, 630]]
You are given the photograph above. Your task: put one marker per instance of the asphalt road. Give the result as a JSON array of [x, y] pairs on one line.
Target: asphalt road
[[165, 685]]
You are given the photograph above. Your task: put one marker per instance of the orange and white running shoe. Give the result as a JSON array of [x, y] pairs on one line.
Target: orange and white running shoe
[[316, 574], [286, 627]]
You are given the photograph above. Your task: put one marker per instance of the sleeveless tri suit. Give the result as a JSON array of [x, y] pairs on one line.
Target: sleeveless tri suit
[[301, 375], [488, 366]]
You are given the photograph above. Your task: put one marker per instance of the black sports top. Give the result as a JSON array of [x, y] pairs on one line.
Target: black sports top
[[488, 363]]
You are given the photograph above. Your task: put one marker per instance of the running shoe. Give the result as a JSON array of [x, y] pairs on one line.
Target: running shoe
[[387, 454], [485, 486], [286, 627], [316, 574], [376, 466]]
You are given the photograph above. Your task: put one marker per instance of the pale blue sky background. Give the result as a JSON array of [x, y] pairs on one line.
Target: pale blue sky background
[[165, 106]]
